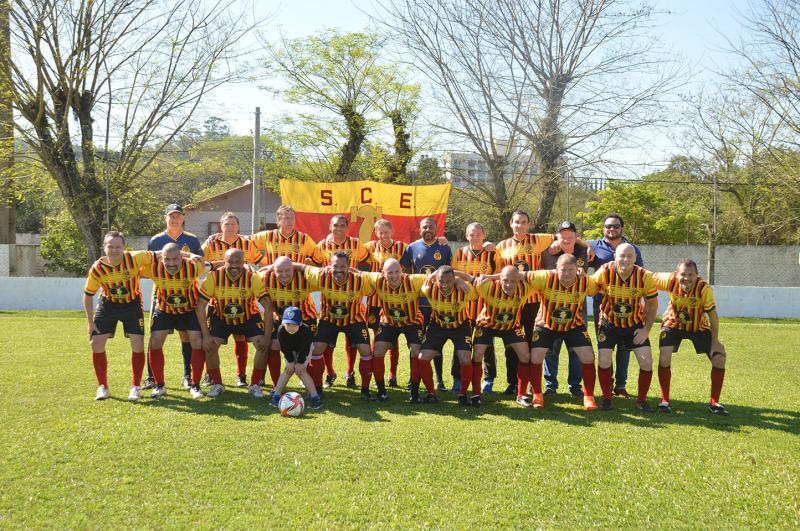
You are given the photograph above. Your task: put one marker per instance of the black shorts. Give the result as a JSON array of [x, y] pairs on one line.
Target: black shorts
[[485, 336], [356, 333], [574, 338], [312, 325], [251, 328], [108, 313], [174, 321], [374, 317], [389, 334], [436, 337], [609, 336], [672, 337]]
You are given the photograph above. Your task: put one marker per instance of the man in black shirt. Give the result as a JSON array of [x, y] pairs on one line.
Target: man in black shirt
[[295, 338]]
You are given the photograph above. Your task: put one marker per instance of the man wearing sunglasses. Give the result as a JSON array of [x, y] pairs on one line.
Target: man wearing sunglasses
[[613, 230]]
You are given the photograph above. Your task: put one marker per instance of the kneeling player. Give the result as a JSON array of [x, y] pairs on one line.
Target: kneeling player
[[295, 338], [691, 314]]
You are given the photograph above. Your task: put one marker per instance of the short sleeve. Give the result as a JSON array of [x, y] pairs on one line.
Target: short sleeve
[[405, 260], [542, 242], [143, 258], [417, 281], [312, 276], [707, 298], [537, 280], [650, 288], [591, 287], [258, 287], [207, 288], [662, 280], [92, 283]]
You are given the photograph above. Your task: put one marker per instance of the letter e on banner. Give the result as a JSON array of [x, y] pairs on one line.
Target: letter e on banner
[[405, 200]]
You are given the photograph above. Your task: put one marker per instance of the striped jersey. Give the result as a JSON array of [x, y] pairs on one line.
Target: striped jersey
[[120, 282], [501, 311], [448, 310], [175, 292], [351, 246], [341, 303], [400, 305], [297, 292], [562, 306], [475, 263], [298, 246], [215, 247], [233, 300], [378, 254], [524, 254], [622, 305], [686, 310]]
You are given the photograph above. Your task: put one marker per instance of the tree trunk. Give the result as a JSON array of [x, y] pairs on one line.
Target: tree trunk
[[357, 132], [398, 165], [549, 147], [7, 208]]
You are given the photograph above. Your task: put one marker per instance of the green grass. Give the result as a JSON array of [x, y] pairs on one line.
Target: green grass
[[68, 461]]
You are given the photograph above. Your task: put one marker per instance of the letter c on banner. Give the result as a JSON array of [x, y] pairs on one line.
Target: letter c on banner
[[365, 200]]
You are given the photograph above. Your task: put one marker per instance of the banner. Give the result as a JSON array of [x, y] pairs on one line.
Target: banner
[[364, 202]]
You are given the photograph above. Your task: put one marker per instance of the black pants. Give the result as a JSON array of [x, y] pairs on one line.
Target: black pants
[[527, 317]]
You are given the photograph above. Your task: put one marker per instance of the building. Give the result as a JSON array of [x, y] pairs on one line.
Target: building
[[464, 168], [202, 218]]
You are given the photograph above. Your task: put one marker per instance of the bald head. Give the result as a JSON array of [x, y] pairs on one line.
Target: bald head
[[171, 256], [509, 278], [283, 268], [625, 257], [393, 272], [567, 269], [234, 253], [170, 248], [234, 262]]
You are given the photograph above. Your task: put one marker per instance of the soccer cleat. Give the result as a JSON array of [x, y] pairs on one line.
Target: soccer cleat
[[605, 404], [133, 394], [487, 385], [456, 387], [102, 393], [241, 380], [413, 399], [383, 396], [538, 401], [329, 379], [718, 409], [350, 381], [158, 391], [523, 401], [621, 391], [430, 399], [216, 390], [207, 381], [315, 402], [644, 406], [511, 390], [187, 381], [550, 391], [366, 396], [664, 407], [441, 387], [392, 382], [576, 392], [475, 400], [589, 403], [255, 391], [196, 392], [148, 383], [462, 400], [274, 399]]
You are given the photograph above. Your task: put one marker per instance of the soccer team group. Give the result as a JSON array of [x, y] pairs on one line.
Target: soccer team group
[[529, 291]]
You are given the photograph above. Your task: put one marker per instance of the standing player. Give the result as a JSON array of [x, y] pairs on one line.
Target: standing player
[[174, 219], [232, 292], [425, 256], [214, 249], [624, 321], [691, 314], [117, 274], [380, 251]]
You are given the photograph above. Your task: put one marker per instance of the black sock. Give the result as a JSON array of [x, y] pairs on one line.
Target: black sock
[[186, 352]]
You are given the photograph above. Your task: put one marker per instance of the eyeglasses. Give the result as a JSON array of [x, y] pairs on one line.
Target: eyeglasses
[[612, 225]]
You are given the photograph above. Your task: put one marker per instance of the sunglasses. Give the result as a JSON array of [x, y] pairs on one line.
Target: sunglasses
[[612, 225]]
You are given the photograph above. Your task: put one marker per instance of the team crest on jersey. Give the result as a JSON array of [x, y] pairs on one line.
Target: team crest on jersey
[[243, 292], [601, 337], [446, 318], [403, 298], [580, 262], [296, 295], [478, 332], [505, 317], [364, 333], [684, 316], [527, 248], [119, 291], [522, 265], [576, 298], [233, 310], [176, 299], [371, 319], [437, 255], [623, 310], [562, 315], [663, 334], [397, 314], [339, 311], [185, 248], [186, 284]]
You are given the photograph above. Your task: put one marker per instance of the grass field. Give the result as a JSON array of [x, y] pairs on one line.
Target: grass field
[[71, 462]]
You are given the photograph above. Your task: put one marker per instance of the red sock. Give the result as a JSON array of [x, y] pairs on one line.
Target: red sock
[[258, 375], [137, 366], [536, 377], [589, 377], [645, 377], [328, 357], [524, 377], [274, 364], [605, 376], [365, 370], [316, 368], [198, 360], [100, 362], [426, 371], [350, 353], [664, 378], [157, 364], [379, 368], [717, 376], [416, 374], [240, 351], [394, 358], [216, 376], [465, 370], [477, 376]]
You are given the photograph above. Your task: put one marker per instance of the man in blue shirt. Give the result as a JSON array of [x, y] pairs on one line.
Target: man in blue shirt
[[188, 242], [613, 227], [425, 256]]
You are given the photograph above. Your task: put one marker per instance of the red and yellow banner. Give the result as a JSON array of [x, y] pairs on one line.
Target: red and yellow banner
[[364, 202]]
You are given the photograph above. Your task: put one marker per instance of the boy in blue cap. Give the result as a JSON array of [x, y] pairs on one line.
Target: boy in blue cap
[[295, 339]]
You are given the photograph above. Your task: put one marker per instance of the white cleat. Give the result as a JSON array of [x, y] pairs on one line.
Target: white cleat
[[102, 393], [216, 390], [196, 392], [255, 391], [133, 395], [158, 391]]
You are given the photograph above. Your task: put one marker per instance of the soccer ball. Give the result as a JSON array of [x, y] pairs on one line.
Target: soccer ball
[[291, 404]]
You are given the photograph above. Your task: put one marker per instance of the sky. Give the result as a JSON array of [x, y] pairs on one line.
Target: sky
[[694, 30]]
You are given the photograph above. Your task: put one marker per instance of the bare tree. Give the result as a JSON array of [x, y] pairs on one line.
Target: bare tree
[[7, 210], [142, 66]]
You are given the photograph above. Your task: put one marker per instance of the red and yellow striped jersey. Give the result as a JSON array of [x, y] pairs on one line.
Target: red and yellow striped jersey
[[298, 246], [524, 254], [233, 300], [448, 310], [474, 263], [120, 282], [399, 306], [297, 292], [214, 248], [686, 310], [175, 293], [341, 303], [352, 246], [562, 306], [378, 253], [501, 311], [622, 298]]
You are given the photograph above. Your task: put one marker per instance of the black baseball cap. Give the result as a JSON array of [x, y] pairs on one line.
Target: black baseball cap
[[567, 225], [174, 207]]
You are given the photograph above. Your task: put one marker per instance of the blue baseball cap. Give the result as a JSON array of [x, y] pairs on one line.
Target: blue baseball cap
[[292, 315]]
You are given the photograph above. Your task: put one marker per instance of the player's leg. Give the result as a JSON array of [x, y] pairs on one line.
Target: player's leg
[[644, 357], [240, 352], [394, 359], [263, 346], [280, 383], [155, 348], [358, 335], [384, 339], [100, 363], [702, 344], [669, 341], [198, 361], [350, 356], [586, 356], [465, 369], [551, 368], [605, 357], [261, 361], [489, 369], [476, 372], [186, 356]]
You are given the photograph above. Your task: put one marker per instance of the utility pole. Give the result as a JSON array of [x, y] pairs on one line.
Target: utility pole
[[7, 207], [256, 217], [712, 238]]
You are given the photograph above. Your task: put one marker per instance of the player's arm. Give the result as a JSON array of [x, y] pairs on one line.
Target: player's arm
[[88, 307], [269, 310], [200, 311], [713, 319], [463, 276], [650, 311]]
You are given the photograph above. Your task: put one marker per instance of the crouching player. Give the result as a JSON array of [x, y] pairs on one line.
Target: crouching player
[[691, 299], [295, 338], [233, 291]]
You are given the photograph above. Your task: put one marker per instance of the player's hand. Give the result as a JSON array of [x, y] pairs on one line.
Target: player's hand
[[489, 246], [589, 253], [554, 248], [481, 280], [93, 329], [442, 240], [208, 343], [640, 336]]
